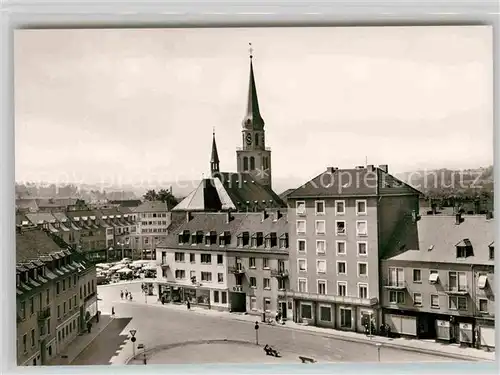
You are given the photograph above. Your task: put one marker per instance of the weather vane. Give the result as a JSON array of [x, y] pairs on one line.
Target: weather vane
[[250, 49]]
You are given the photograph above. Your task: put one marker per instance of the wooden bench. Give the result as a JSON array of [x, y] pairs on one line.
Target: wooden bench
[[307, 359]]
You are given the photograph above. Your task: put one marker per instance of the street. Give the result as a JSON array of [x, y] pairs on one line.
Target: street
[[159, 327]]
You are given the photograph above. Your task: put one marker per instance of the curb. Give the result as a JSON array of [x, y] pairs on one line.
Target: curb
[[332, 335], [90, 342]]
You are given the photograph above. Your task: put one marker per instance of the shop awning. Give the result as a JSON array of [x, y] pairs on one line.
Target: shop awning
[[481, 283], [434, 277]]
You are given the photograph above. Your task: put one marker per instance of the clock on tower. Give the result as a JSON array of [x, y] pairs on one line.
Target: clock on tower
[[249, 139]]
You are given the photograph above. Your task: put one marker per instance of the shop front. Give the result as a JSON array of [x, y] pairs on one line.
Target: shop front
[[168, 293]]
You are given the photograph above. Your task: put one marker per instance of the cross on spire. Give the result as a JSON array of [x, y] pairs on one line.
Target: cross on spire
[[250, 49]]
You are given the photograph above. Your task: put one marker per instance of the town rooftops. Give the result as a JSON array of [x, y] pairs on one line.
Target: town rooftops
[[439, 237], [26, 204], [33, 243], [230, 191], [360, 181], [41, 218]]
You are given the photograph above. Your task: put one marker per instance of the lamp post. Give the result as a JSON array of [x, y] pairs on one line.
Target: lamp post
[[378, 345]]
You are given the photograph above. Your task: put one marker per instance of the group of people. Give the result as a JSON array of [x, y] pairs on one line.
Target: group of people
[[127, 295]]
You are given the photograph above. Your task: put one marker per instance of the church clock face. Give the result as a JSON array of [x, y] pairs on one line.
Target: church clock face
[[249, 139]]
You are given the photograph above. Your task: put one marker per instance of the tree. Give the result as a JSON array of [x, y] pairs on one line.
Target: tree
[[151, 195], [167, 197]]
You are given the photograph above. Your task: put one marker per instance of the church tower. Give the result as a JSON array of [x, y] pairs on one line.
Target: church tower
[[214, 159], [254, 157]]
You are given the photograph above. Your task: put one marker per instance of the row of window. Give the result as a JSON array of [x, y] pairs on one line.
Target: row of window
[[321, 287], [457, 280], [154, 230], [325, 314], [341, 267], [204, 258], [340, 227], [340, 247], [67, 330], [266, 304], [159, 222], [67, 307], [32, 341], [222, 299], [454, 302], [205, 276], [152, 215], [340, 207]]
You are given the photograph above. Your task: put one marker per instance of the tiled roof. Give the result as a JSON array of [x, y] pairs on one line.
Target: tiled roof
[[20, 218], [286, 193], [26, 204], [441, 234], [362, 182], [33, 243], [127, 203], [61, 217], [155, 206], [217, 222], [230, 191], [41, 217]]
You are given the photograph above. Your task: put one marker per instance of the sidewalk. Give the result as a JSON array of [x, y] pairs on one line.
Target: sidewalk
[[422, 346], [80, 343]]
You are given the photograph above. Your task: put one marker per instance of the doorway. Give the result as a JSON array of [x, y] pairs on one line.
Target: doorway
[[283, 309]]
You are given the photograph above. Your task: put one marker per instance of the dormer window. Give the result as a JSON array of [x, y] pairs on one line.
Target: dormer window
[[284, 241], [181, 238], [274, 239], [254, 240], [199, 237], [35, 274], [260, 238], [26, 276], [246, 238], [491, 248], [185, 236], [464, 248], [193, 239], [267, 241], [207, 239]]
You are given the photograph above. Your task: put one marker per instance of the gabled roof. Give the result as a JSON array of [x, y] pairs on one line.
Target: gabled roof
[[361, 182], [441, 234], [152, 206], [33, 243]]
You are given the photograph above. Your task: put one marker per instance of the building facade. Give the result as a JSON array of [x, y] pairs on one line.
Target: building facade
[[50, 306], [227, 261], [444, 289], [340, 223], [153, 221]]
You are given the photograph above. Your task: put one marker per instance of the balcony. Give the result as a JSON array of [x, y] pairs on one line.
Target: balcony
[[44, 314], [237, 269], [459, 290], [280, 273], [344, 300], [395, 284]]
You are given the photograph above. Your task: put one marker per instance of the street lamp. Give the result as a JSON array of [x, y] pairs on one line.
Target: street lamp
[[378, 345]]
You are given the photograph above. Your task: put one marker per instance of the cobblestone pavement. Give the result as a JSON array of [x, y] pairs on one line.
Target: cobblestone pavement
[[157, 326]]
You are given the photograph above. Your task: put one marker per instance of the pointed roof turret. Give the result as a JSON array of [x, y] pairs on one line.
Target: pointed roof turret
[[252, 119], [214, 160]]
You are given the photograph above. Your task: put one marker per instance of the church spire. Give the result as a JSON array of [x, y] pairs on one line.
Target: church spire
[[214, 160], [252, 118]]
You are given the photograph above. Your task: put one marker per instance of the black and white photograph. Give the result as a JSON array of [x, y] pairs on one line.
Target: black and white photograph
[[284, 195]]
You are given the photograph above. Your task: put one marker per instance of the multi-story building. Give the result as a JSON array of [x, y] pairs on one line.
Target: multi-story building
[[92, 236], [121, 232], [227, 261], [443, 288], [341, 222], [50, 308], [153, 221]]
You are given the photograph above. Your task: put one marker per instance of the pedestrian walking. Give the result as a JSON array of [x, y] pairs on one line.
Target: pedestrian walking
[[126, 294], [89, 327], [188, 304], [121, 294], [113, 311], [130, 296]]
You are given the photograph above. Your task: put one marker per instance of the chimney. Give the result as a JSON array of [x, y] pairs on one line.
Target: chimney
[[458, 218], [189, 216], [265, 215], [228, 217], [384, 167]]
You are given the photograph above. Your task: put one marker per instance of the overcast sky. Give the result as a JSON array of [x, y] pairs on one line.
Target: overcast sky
[[134, 105]]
